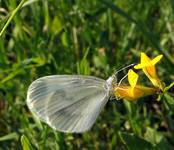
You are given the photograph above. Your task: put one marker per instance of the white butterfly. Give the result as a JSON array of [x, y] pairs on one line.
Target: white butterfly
[[69, 103]]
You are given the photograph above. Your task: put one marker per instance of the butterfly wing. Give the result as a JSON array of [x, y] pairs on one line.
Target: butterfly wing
[[68, 103]]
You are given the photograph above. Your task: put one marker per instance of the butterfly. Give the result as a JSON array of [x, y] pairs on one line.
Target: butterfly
[[69, 103]]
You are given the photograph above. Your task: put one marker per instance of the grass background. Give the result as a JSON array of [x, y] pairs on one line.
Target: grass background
[[96, 38]]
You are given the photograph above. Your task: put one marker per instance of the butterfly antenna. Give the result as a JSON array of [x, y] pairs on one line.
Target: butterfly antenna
[[123, 76], [122, 79], [124, 68]]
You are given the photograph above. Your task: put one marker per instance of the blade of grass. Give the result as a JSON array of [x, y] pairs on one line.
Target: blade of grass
[[9, 136], [29, 2], [25, 143], [12, 16]]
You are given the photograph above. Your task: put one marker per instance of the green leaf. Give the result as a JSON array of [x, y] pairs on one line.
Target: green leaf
[[168, 87], [83, 66], [56, 26], [169, 99], [25, 143], [25, 64], [37, 121], [128, 106], [10, 136], [133, 142], [153, 136], [164, 144], [157, 139], [64, 39], [29, 2]]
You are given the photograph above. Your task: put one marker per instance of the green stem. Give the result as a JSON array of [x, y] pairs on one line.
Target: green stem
[[12, 16]]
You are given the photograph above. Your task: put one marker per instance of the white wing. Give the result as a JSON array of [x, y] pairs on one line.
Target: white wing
[[68, 103]]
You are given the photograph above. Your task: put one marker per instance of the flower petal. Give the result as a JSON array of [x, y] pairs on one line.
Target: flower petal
[[148, 67], [125, 92], [140, 66], [145, 59], [132, 78], [156, 59]]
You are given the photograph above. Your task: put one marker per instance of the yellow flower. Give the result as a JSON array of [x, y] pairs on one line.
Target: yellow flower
[[148, 66], [133, 92]]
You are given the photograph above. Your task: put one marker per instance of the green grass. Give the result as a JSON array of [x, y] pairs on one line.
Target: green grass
[[46, 37]]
